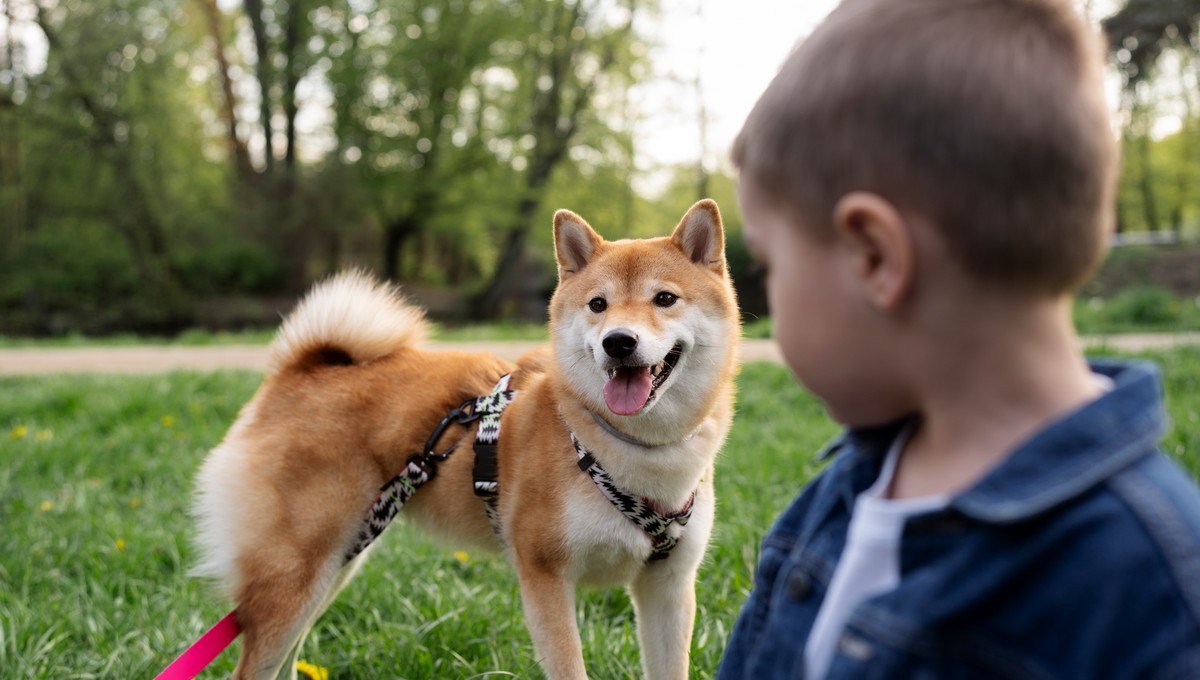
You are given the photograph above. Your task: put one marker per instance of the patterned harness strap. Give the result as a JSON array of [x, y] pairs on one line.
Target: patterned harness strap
[[392, 497], [486, 472], [422, 467], [640, 511]]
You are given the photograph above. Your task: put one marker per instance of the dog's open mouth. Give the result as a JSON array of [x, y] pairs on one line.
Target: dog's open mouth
[[630, 388]]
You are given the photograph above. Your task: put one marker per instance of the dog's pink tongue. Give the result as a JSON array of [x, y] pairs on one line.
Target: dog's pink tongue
[[628, 390]]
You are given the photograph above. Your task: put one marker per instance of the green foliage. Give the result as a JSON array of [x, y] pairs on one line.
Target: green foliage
[[1181, 382], [140, 147], [73, 275], [1143, 308], [759, 328], [226, 267]]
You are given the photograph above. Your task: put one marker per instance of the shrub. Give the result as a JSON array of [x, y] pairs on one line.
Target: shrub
[[1143, 306]]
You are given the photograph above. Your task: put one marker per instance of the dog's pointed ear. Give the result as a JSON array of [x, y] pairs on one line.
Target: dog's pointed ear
[[701, 236], [574, 242]]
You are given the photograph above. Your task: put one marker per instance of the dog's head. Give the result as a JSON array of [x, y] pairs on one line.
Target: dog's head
[[644, 328]]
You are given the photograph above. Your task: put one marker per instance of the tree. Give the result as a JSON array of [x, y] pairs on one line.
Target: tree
[[1139, 34], [106, 125], [574, 51], [180, 150]]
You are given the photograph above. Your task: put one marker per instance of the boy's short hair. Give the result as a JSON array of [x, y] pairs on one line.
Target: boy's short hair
[[986, 117]]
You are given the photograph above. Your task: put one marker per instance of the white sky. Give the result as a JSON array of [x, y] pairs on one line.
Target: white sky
[[736, 47]]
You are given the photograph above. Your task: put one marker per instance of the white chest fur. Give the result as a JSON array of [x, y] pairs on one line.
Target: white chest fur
[[608, 549]]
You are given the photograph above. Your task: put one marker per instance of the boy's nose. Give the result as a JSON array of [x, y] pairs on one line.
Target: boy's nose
[[619, 343]]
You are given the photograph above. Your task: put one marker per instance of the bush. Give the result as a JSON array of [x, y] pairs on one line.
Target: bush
[[1144, 306], [228, 268]]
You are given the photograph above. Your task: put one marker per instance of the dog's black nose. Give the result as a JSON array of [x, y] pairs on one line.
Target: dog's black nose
[[619, 344]]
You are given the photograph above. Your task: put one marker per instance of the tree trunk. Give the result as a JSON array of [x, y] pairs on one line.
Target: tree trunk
[[254, 8], [292, 49], [395, 235], [238, 154], [1146, 184]]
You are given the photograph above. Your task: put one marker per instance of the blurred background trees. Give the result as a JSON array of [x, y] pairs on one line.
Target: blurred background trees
[[175, 163], [165, 163]]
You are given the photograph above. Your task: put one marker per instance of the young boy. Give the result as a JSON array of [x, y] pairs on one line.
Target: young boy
[[927, 183]]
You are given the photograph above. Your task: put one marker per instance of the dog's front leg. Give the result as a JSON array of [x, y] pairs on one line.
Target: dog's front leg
[[665, 602], [549, 603]]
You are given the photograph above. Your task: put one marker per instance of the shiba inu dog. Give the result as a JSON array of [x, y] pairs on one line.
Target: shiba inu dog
[[601, 472]]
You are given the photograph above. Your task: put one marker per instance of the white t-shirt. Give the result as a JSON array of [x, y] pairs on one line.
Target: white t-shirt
[[870, 562]]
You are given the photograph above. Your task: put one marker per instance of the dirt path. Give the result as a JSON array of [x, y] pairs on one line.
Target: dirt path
[[158, 359]]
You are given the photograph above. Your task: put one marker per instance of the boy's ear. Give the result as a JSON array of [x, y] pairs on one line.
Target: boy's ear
[[881, 242], [574, 242], [701, 236]]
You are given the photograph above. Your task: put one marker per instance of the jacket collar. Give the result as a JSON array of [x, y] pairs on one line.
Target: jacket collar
[[1072, 455]]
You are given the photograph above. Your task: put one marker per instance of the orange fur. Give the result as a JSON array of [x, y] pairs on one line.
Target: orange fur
[[348, 401]]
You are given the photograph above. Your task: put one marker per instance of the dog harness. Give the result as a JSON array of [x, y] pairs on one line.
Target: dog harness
[[486, 472], [422, 467], [640, 511]]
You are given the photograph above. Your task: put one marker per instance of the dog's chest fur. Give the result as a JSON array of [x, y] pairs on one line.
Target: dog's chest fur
[[606, 548]]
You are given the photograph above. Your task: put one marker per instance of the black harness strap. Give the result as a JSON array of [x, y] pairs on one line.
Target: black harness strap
[[486, 472]]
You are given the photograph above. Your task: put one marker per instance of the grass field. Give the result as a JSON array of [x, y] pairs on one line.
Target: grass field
[[94, 487]]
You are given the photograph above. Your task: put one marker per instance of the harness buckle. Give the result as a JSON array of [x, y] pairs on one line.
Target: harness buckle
[[426, 463], [457, 416]]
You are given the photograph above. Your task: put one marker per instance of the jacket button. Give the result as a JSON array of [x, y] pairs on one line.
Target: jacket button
[[855, 647], [799, 585]]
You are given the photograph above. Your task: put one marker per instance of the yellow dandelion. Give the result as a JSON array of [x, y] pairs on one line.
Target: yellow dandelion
[[461, 556], [18, 432], [120, 543], [46, 506], [44, 435], [167, 421], [135, 502], [312, 670]]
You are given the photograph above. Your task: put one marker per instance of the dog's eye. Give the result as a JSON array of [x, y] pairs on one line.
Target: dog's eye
[[665, 299], [598, 304]]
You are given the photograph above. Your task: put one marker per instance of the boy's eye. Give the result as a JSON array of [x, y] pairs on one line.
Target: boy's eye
[[598, 304], [665, 299]]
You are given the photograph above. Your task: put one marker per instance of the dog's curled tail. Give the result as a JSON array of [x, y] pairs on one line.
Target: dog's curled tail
[[349, 318]]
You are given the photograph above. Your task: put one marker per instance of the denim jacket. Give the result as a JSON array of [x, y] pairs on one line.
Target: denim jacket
[[1077, 557]]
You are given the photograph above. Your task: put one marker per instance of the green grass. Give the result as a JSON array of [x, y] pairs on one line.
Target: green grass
[[94, 492], [492, 332]]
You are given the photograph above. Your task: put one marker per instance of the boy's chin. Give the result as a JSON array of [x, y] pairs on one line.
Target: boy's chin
[[864, 416]]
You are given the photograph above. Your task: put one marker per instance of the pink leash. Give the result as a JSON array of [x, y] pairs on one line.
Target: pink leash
[[203, 651]]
